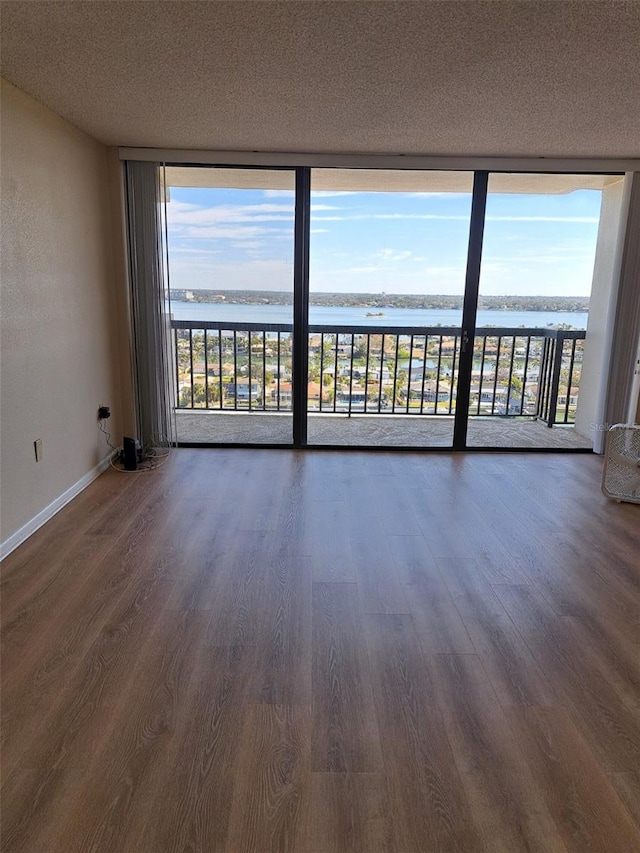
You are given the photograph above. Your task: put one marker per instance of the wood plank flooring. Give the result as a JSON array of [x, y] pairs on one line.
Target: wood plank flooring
[[326, 652]]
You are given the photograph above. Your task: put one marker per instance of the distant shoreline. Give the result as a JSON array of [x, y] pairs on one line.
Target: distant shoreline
[[565, 304]]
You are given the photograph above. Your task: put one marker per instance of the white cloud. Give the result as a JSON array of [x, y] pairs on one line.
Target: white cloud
[[182, 213], [418, 216], [591, 219], [191, 250], [315, 207], [542, 258], [240, 232], [456, 217], [249, 244], [392, 255], [407, 216], [256, 274]]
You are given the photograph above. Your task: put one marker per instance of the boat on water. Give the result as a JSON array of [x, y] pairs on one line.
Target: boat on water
[[374, 314]]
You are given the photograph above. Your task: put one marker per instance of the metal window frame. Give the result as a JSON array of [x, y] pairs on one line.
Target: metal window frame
[[302, 164]]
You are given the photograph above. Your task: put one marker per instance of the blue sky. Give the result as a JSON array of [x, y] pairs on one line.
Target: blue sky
[[389, 242]]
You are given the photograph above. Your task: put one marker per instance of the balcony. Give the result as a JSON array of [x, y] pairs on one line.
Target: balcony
[[376, 386]]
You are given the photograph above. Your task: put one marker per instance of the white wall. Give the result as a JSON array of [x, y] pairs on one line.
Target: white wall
[[60, 297]]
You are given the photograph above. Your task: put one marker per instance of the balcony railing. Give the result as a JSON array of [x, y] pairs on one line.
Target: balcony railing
[[365, 369]]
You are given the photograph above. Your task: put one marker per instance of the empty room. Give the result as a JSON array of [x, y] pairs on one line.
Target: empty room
[[320, 426]]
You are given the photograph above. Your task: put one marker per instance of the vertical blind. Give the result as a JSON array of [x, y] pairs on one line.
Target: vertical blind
[[149, 305]]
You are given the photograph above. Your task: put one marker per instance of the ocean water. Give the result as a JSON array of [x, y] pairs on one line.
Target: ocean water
[[357, 316]]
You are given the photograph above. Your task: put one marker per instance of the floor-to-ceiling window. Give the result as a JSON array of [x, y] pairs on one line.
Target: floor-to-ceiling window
[[536, 276], [387, 264], [230, 246], [380, 307]]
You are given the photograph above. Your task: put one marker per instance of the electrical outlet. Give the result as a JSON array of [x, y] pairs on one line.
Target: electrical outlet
[[37, 447]]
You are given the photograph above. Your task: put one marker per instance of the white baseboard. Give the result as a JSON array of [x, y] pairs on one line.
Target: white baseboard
[[17, 538]]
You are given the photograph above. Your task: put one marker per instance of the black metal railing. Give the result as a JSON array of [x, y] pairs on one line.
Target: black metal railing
[[374, 370]]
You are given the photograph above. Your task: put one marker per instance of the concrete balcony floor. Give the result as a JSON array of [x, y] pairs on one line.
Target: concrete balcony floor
[[213, 427]]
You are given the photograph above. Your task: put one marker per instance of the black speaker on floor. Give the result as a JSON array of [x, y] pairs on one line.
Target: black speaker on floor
[[130, 454]]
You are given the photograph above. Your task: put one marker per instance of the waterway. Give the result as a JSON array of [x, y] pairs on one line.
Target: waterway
[[357, 315]]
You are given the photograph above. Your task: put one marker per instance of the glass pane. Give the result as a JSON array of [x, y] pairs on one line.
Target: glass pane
[[387, 271], [540, 244], [230, 252]]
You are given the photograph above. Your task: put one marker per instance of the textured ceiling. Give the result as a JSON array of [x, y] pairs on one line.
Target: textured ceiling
[[524, 78]]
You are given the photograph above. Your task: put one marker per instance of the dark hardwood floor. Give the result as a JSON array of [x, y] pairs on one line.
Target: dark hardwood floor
[[273, 651]]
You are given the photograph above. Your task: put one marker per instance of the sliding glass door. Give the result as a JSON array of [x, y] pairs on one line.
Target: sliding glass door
[[230, 247], [536, 278], [387, 264]]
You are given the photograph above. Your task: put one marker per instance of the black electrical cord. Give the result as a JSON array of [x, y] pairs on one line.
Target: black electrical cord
[[105, 432]]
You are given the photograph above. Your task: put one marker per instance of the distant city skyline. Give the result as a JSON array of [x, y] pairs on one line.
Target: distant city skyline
[[396, 243]]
